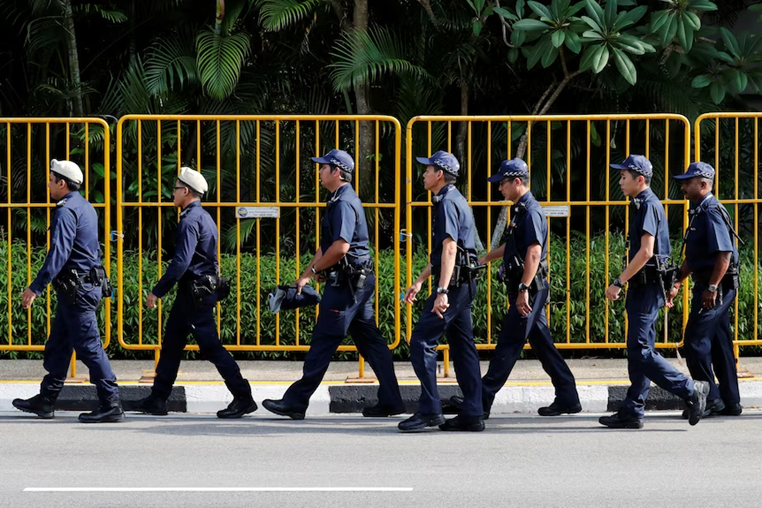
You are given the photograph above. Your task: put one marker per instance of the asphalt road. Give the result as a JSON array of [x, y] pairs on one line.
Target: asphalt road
[[519, 461]]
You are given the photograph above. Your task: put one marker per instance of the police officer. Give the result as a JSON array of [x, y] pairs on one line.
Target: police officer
[[343, 259], [711, 259], [73, 265], [194, 263], [649, 251], [524, 269], [448, 309]]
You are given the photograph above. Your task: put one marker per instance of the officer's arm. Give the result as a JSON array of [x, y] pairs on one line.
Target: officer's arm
[[684, 272], [425, 274], [308, 271], [531, 263], [493, 255], [449, 251], [187, 239], [721, 264], [333, 255], [61, 243], [642, 257]]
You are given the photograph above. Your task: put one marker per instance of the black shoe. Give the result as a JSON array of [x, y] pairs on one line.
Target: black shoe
[[617, 421], [464, 424], [419, 422], [379, 411], [457, 401], [40, 405], [152, 405], [733, 409], [239, 407], [713, 408], [108, 412], [556, 409], [697, 402], [279, 408]]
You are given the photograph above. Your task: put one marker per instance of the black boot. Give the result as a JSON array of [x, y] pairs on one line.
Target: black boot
[[380, 411], [619, 421], [556, 409], [420, 422], [239, 407], [152, 405], [280, 408], [40, 405], [456, 401], [107, 412], [464, 424]]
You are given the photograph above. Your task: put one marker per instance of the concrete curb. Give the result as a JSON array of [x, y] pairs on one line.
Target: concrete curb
[[351, 398]]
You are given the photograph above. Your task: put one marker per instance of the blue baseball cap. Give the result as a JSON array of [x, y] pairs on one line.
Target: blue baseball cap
[[514, 168], [338, 158], [443, 160], [697, 169], [636, 163]]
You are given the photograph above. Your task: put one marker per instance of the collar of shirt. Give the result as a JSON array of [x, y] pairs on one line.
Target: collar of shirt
[[66, 198], [524, 200], [642, 197], [696, 207], [333, 196], [192, 205]]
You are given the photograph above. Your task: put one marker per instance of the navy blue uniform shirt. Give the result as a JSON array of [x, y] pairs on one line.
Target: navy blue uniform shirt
[[528, 226], [195, 251], [452, 219], [73, 241], [345, 219], [707, 235], [647, 216]]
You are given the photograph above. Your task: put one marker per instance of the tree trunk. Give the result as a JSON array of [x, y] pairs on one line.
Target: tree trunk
[[460, 138], [367, 145], [71, 46]]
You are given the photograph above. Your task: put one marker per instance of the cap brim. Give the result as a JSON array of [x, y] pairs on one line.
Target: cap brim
[[320, 160], [496, 178], [619, 167], [424, 160], [684, 176]]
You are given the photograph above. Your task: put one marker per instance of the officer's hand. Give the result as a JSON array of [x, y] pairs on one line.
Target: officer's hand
[[300, 283], [671, 294], [27, 298], [522, 303], [441, 303], [411, 292], [483, 260], [709, 300], [151, 301], [612, 293]]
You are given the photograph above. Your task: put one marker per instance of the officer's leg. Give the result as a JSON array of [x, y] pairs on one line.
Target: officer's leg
[[510, 342], [723, 354], [329, 331], [699, 333], [57, 356], [552, 361], [87, 343], [423, 355], [173, 342], [460, 336], [373, 347], [204, 330]]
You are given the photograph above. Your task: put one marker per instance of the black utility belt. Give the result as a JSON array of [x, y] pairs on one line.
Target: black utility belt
[[205, 285], [647, 276], [729, 280], [67, 283], [513, 273]]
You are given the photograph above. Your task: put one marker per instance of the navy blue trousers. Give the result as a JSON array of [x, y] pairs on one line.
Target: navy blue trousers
[[339, 316], [186, 318], [643, 362], [427, 333], [513, 335], [75, 328], [708, 343]]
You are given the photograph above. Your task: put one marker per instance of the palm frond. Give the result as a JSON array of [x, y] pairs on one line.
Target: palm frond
[[278, 14], [219, 60], [171, 60], [362, 56]]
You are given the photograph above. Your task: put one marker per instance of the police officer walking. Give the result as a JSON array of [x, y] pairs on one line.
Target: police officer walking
[[711, 259], [524, 270], [195, 270], [448, 309], [343, 261], [649, 251], [73, 265]]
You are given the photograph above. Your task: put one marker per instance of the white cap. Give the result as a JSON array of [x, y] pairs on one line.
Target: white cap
[[193, 179], [67, 169]]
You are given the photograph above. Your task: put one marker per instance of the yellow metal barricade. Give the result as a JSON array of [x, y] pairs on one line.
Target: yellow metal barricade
[[26, 210], [569, 159], [730, 142], [264, 194]]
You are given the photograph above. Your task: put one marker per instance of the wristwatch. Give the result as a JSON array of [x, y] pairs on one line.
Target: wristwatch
[[712, 288], [314, 272], [523, 287], [442, 291], [618, 283]]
